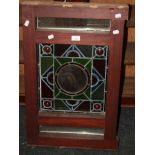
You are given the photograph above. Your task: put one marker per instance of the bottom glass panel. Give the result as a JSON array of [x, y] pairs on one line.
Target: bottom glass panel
[[71, 132]]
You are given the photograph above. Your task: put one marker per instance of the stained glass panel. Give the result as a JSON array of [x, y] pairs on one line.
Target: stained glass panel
[[72, 77]]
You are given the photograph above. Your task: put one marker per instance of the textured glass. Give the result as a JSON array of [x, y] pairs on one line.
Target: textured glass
[[72, 131], [72, 77], [73, 24]]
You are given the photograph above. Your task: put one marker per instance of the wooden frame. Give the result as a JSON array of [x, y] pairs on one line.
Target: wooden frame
[[32, 9]]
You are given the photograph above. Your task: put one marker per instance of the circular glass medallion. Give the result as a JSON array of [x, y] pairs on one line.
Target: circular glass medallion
[[72, 78], [47, 104], [97, 106], [99, 51], [47, 49]]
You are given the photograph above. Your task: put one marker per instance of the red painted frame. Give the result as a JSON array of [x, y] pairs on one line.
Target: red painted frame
[[32, 9]]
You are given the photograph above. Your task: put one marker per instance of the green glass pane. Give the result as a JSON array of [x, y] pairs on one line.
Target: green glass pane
[[89, 67], [63, 96], [82, 96], [56, 91], [87, 92], [64, 60], [85, 50], [99, 93], [81, 61], [56, 65], [46, 62], [59, 105]]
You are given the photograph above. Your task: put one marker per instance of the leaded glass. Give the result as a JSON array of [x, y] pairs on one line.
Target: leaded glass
[[72, 77]]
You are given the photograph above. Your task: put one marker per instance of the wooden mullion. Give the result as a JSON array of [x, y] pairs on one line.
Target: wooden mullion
[[30, 75], [65, 38], [84, 122], [113, 86], [72, 11]]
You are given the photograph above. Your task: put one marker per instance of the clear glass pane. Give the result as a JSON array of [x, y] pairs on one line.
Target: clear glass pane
[[73, 24], [72, 132]]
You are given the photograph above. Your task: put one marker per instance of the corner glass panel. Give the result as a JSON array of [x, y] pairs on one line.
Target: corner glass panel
[[73, 24]]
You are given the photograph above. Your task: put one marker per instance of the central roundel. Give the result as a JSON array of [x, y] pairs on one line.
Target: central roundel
[[72, 78]]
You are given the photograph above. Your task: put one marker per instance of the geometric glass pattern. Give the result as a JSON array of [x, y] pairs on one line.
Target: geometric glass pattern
[[72, 78]]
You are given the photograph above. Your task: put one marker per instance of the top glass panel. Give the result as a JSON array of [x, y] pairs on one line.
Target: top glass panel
[[74, 24]]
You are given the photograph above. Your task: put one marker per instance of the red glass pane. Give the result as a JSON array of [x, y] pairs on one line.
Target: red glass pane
[[47, 49], [97, 106], [73, 54], [94, 80], [47, 104], [99, 51], [50, 78]]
